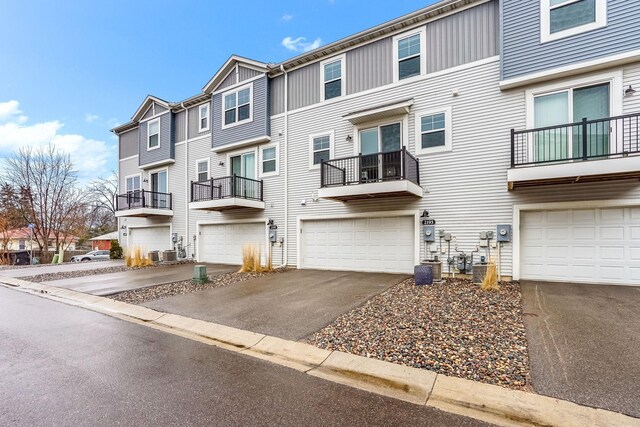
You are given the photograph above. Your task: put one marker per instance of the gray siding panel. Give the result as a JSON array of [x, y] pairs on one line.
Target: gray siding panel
[[463, 37], [276, 95], [128, 144], [194, 122], [229, 81], [524, 54], [246, 73], [254, 129], [148, 113], [159, 108], [180, 129], [304, 86], [369, 66], [166, 150]]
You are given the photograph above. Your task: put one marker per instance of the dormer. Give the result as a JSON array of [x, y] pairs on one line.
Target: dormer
[[155, 143], [240, 113]]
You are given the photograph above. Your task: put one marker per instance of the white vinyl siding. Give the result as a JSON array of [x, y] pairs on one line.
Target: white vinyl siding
[[581, 245], [223, 243]]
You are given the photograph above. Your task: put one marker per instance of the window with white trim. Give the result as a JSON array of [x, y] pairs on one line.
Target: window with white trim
[[132, 183], [409, 55], [237, 106], [332, 78], [320, 148], [153, 134], [269, 160], [204, 118], [564, 18], [433, 131], [202, 170]]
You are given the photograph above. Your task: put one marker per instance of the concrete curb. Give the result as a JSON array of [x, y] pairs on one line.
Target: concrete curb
[[455, 395]]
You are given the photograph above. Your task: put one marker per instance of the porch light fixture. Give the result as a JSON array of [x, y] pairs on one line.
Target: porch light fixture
[[630, 91], [425, 214], [349, 138], [221, 164], [145, 180]]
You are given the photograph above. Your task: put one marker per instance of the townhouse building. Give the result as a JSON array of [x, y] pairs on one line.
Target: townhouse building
[[507, 129]]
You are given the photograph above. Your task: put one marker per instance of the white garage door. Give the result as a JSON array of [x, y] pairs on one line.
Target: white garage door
[[359, 244], [222, 243], [149, 238], [583, 245]]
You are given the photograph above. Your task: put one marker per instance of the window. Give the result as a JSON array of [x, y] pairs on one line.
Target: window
[[433, 131], [237, 107], [133, 183], [409, 54], [202, 170], [204, 117], [320, 148], [332, 78], [22, 245], [564, 18], [153, 134], [269, 159]]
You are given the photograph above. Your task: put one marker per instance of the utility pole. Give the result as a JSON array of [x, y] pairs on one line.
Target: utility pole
[[31, 243]]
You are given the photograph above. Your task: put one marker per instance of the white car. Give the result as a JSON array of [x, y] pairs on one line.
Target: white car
[[91, 256]]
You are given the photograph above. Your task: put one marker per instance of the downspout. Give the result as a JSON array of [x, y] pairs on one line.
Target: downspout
[[186, 174], [285, 261]]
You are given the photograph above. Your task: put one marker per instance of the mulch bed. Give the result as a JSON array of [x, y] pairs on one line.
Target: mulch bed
[[453, 328], [140, 296]]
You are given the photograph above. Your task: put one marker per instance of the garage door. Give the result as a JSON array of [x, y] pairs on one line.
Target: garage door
[[149, 238], [222, 243], [359, 244], [584, 245]]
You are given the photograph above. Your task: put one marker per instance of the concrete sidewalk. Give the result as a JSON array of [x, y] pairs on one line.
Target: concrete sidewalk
[[289, 305], [464, 397], [60, 268], [113, 283]]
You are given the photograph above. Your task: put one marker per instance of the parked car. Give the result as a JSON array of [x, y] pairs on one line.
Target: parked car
[[91, 256]]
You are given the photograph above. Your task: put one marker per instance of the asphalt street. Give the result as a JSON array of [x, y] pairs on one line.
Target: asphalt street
[[63, 365]]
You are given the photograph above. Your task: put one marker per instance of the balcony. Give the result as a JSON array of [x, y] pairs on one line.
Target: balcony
[[143, 203], [586, 151], [229, 192], [366, 176]]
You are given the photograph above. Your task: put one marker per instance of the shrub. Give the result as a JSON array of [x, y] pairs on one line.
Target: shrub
[[116, 250]]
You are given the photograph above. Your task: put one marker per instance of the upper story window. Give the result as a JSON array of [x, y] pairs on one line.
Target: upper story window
[[269, 159], [202, 169], [320, 148], [409, 55], [204, 118], [132, 183], [433, 131], [237, 106], [564, 18], [332, 78], [153, 134]]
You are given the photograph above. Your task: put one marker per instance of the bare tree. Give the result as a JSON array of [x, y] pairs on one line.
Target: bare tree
[[45, 182], [102, 193]]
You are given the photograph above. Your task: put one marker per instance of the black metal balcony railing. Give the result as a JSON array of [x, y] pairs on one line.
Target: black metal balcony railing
[[367, 168], [226, 187], [609, 137], [143, 199]]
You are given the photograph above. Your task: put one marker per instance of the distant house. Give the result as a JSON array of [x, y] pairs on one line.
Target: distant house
[[103, 242], [20, 239]]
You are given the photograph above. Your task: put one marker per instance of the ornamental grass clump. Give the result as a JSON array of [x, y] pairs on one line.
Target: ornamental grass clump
[[252, 259], [135, 258], [490, 281]]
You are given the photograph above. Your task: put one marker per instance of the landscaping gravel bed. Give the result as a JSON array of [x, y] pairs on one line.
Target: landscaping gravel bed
[[140, 296], [453, 328]]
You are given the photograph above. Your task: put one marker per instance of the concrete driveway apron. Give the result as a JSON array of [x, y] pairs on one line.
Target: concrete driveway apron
[[584, 343], [289, 305], [112, 283]]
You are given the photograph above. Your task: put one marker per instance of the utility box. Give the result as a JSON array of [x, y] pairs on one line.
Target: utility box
[[479, 272], [436, 269], [429, 233], [169, 257], [503, 233], [200, 275], [154, 256]]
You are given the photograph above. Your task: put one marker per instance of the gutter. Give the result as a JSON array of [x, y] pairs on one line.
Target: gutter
[[285, 261], [186, 174]]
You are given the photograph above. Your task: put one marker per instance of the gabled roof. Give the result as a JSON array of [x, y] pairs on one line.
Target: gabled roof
[[146, 104], [109, 236], [228, 66]]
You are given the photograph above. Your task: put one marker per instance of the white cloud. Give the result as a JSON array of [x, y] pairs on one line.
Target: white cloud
[[300, 44], [90, 118], [90, 157], [286, 17], [10, 111]]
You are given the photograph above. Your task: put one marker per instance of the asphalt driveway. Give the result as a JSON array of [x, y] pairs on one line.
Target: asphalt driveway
[[584, 343], [112, 283], [289, 305]]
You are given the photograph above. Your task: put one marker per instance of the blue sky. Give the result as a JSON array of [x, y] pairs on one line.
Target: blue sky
[[73, 69]]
